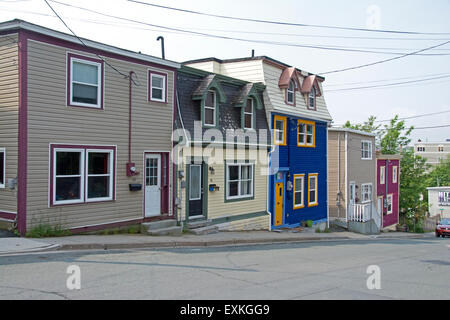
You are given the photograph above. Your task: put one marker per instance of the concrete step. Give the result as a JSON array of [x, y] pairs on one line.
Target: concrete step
[[175, 230], [160, 224], [198, 224], [205, 230]]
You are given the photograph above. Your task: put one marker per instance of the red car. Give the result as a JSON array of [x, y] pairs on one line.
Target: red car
[[443, 228]]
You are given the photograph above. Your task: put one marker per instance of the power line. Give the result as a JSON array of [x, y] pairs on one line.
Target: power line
[[387, 60], [82, 42], [287, 23], [238, 39], [389, 84], [433, 127]]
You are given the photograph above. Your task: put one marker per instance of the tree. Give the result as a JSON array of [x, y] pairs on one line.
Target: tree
[[440, 174], [412, 185], [395, 136]]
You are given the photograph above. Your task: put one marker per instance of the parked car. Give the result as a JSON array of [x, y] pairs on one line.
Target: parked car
[[443, 228]]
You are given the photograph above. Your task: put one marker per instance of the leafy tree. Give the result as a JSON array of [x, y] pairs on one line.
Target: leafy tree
[[412, 185], [440, 174], [395, 136]]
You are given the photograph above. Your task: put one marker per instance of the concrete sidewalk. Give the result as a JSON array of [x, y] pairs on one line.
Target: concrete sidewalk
[[126, 241]]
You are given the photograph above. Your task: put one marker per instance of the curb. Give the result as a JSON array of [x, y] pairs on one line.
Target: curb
[[52, 247]]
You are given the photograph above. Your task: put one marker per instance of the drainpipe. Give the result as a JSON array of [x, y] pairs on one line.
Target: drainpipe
[[131, 167], [162, 46], [339, 175]]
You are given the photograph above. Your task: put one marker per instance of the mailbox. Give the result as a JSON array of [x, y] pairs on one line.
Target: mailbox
[[213, 187], [135, 186]]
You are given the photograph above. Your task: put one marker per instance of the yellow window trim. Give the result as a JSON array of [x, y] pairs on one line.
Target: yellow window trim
[[275, 119], [313, 204], [305, 145], [303, 192]]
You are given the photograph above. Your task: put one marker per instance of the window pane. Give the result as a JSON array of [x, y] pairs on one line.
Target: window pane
[[248, 107], [246, 188], [246, 172], [157, 82], [2, 167], [98, 163], [290, 97], [298, 198], [233, 172], [312, 183], [248, 121], [98, 187], [233, 189], [298, 184], [312, 196], [209, 116], [157, 93], [84, 93], [195, 184], [67, 189], [309, 139], [68, 163], [85, 73], [210, 99]]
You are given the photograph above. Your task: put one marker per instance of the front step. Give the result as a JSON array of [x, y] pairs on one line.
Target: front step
[[204, 230], [161, 227], [198, 224]]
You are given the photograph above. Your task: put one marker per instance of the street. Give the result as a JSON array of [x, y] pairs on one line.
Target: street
[[409, 269]]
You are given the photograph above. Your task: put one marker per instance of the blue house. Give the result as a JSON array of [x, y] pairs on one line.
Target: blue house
[[298, 118]]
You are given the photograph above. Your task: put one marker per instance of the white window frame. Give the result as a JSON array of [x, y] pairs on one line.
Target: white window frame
[[440, 148], [312, 95], [302, 191], [364, 192], [81, 175], [394, 174], [249, 113], [288, 91], [382, 174], [252, 181], [111, 174], [163, 77], [214, 108], [3, 170], [420, 149], [391, 197], [99, 84], [316, 189], [365, 143]]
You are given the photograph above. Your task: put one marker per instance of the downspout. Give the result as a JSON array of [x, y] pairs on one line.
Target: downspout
[[346, 177], [328, 188], [131, 167], [339, 175]]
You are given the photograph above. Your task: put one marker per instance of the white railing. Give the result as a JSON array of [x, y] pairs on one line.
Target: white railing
[[360, 212]]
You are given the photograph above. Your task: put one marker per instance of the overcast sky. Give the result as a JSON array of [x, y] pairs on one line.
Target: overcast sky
[[406, 100]]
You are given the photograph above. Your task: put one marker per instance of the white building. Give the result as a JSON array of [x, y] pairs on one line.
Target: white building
[[434, 152], [439, 201]]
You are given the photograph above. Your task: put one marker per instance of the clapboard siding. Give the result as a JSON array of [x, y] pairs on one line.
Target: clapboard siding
[[9, 115], [217, 206], [52, 122], [336, 174]]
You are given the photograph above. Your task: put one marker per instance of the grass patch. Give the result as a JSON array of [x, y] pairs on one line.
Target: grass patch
[[46, 230]]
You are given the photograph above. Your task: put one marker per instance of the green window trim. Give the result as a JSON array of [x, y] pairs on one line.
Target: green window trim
[[237, 162]]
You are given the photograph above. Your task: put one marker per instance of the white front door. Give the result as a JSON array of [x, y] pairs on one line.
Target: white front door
[[152, 185], [352, 193]]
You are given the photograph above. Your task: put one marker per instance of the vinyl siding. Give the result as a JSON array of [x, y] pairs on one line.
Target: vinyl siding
[[52, 122], [276, 95], [336, 162], [217, 206], [9, 115]]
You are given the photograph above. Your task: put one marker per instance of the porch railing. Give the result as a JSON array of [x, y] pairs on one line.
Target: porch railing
[[360, 212]]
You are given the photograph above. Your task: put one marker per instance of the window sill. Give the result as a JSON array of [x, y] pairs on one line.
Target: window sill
[[313, 204], [158, 101], [85, 105], [60, 204], [237, 199], [299, 207]]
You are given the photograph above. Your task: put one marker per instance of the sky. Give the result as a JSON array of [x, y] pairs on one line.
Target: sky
[[406, 100]]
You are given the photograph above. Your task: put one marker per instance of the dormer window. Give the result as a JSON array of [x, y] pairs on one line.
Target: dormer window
[[290, 93], [210, 109], [248, 114], [312, 99]]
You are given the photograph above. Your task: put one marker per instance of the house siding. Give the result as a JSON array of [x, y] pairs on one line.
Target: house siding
[[389, 188], [337, 172], [52, 122], [9, 116]]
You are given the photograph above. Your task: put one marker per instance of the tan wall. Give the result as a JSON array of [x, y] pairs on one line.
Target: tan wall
[[336, 166], [51, 121], [9, 115], [218, 207]]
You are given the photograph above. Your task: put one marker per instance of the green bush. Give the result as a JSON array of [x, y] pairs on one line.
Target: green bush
[[46, 230], [309, 223]]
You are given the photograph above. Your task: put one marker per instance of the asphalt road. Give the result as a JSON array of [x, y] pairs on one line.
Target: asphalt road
[[409, 269]]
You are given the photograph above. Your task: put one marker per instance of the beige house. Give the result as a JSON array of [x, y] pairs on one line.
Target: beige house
[[353, 179], [85, 131], [434, 152]]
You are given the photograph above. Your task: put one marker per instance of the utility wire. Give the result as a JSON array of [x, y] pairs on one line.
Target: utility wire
[[82, 42], [384, 80], [234, 38], [286, 23]]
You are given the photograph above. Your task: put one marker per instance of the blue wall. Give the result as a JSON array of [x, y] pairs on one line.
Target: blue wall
[[301, 160]]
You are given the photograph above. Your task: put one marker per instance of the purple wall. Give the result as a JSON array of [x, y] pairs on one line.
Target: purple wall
[[389, 188]]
